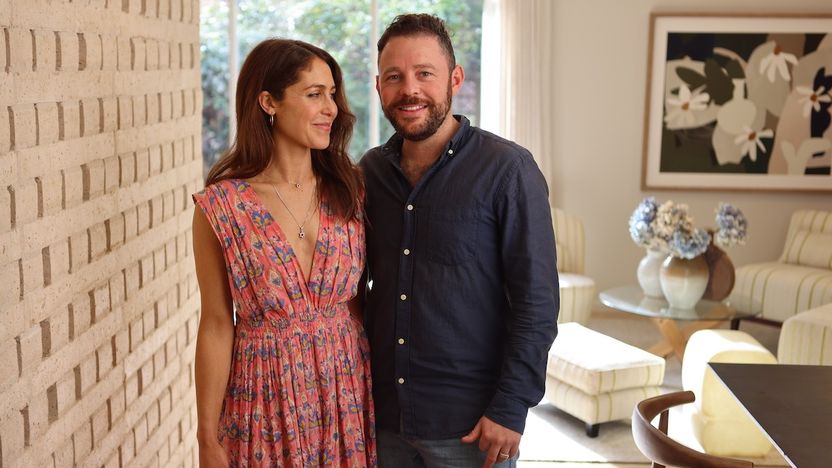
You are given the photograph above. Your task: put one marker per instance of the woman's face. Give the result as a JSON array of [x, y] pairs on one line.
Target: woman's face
[[304, 117]]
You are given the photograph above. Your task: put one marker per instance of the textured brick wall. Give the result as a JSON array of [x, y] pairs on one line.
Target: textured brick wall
[[99, 151]]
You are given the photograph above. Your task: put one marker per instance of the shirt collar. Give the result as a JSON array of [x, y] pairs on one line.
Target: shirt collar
[[393, 148]]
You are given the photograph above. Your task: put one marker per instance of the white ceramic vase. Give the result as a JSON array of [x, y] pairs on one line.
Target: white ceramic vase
[[648, 273], [683, 281]]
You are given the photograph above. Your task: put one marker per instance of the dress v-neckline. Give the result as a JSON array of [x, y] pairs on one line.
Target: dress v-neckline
[[285, 239]]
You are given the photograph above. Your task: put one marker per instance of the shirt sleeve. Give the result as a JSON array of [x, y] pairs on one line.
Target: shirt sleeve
[[527, 252]]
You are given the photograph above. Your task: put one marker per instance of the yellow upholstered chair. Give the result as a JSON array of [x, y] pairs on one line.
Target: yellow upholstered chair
[[720, 424], [577, 291]]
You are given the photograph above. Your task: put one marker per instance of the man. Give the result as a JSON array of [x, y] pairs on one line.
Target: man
[[462, 298]]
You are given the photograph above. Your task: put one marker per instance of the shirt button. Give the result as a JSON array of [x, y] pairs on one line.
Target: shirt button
[[407, 251], [403, 297], [409, 207], [401, 380], [450, 151], [401, 340]]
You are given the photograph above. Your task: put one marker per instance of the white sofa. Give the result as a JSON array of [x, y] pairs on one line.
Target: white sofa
[[719, 423], [577, 291], [801, 279]]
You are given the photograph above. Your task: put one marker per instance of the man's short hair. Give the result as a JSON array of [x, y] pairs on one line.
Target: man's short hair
[[417, 24]]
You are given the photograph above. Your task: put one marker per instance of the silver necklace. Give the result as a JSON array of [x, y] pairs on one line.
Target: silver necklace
[[297, 185], [309, 211]]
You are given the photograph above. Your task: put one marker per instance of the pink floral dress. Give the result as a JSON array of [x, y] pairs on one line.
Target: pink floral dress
[[299, 392]]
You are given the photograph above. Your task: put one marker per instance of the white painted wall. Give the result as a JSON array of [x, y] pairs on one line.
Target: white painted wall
[[600, 57]]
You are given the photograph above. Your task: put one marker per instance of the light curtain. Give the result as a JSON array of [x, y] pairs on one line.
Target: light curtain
[[516, 87]]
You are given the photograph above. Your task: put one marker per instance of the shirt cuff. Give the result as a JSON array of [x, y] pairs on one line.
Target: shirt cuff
[[507, 412]]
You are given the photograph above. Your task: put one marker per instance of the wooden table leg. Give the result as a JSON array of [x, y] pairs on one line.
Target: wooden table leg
[[661, 349], [673, 335], [674, 338]]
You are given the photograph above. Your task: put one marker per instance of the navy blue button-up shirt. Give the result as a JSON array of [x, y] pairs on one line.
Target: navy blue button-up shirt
[[462, 302]]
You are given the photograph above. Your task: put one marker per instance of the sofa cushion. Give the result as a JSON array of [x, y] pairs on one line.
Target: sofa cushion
[[812, 249], [804, 221], [778, 291]]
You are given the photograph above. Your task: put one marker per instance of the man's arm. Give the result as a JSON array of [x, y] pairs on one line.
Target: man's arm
[[527, 249]]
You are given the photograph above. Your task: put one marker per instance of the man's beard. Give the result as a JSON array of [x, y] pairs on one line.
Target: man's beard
[[436, 115]]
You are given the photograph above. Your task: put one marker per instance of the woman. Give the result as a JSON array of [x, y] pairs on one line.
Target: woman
[[279, 243]]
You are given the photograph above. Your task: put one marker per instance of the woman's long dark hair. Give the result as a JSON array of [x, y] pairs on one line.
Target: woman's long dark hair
[[273, 65]]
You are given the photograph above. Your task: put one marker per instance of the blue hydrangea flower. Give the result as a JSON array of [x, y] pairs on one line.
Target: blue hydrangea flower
[[641, 222], [689, 243], [668, 227], [732, 225]]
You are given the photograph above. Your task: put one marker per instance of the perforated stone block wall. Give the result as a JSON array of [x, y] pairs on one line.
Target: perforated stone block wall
[[99, 152]]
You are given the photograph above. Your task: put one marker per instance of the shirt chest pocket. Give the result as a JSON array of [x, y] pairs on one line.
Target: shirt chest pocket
[[452, 234]]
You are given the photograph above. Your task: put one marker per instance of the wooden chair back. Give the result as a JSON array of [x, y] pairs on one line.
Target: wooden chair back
[[661, 449]]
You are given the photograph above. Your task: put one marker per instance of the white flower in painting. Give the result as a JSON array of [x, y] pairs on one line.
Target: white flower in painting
[[682, 107], [775, 62], [749, 140], [811, 98]]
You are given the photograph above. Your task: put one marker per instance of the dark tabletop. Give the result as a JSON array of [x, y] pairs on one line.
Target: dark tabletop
[[791, 403]]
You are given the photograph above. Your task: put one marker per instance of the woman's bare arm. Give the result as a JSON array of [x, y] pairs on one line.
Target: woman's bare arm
[[356, 304], [215, 337]]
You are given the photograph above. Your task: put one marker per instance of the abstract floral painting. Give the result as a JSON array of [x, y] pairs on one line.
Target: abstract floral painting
[[739, 103]]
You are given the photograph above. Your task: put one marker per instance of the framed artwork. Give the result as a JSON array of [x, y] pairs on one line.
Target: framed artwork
[[739, 103]]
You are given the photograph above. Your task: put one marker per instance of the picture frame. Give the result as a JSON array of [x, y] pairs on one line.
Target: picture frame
[[738, 103]]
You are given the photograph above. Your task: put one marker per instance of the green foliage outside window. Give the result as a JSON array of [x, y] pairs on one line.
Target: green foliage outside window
[[342, 27]]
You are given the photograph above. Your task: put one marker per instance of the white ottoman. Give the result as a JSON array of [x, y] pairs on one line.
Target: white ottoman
[[720, 424], [597, 378]]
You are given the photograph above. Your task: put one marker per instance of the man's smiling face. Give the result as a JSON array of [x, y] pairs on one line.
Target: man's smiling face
[[415, 85]]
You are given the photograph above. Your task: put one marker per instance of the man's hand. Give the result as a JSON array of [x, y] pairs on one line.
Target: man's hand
[[500, 443]]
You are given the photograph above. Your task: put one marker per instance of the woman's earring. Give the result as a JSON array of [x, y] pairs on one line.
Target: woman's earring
[[271, 120]]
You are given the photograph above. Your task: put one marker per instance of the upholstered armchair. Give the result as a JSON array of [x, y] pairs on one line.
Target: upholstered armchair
[[806, 338], [801, 279], [577, 292]]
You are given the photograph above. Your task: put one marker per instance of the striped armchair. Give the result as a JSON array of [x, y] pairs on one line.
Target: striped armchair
[[801, 279], [806, 338], [577, 292]]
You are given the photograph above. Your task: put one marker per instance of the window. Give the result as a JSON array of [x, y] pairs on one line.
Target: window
[[343, 28]]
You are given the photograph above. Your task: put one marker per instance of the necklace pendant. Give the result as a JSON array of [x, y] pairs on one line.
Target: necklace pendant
[[301, 234], [297, 186]]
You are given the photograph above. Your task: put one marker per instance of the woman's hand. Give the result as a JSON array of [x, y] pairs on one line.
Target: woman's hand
[[212, 455]]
